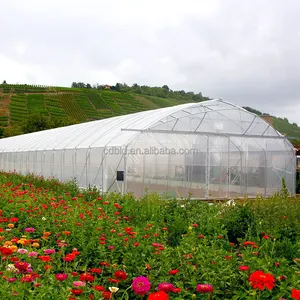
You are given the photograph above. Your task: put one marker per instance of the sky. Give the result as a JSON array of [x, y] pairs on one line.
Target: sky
[[245, 52]]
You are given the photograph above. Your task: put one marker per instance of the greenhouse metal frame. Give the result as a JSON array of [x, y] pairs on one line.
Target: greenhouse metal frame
[[207, 150]]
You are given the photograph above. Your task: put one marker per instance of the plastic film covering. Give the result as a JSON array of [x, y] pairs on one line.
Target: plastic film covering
[[211, 149]]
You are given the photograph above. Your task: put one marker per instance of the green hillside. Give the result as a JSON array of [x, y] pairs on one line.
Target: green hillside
[[61, 106], [18, 102], [291, 130]]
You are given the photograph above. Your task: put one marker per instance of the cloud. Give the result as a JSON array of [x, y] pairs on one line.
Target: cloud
[[244, 52]]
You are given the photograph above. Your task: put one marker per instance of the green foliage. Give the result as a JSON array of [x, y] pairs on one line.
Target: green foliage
[[239, 221], [143, 237]]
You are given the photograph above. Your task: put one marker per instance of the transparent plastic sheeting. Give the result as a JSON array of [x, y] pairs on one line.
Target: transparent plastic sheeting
[[212, 149]]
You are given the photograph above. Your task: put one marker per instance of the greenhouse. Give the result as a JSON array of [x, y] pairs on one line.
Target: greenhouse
[[212, 149]]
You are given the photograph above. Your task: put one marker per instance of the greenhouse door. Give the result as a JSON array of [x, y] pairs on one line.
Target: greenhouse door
[[114, 166], [236, 171]]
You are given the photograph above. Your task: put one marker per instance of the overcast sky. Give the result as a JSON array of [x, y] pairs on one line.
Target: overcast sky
[[246, 52]]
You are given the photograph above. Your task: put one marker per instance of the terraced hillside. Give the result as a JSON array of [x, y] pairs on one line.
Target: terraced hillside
[[18, 102]]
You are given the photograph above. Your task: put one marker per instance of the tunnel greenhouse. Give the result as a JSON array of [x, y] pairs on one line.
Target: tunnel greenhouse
[[212, 149]]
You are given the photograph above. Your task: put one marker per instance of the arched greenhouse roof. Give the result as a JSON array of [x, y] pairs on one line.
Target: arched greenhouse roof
[[213, 117]]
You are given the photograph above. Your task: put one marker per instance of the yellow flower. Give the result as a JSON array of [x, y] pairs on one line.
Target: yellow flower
[[35, 245], [21, 241], [10, 225], [14, 248]]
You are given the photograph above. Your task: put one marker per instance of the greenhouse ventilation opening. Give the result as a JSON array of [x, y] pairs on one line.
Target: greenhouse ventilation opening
[[212, 149]]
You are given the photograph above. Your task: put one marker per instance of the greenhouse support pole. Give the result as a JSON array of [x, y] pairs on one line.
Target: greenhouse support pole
[[266, 171], [207, 169], [143, 174], [124, 179], [228, 169]]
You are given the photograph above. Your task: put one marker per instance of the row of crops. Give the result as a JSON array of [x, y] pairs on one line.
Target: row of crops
[[67, 104], [18, 108]]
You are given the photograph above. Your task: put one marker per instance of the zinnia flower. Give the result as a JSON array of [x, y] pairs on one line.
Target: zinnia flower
[[295, 294], [22, 251], [244, 268], [120, 275], [61, 276], [261, 280], [79, 283], [141, 285], [158, 296], [32, 254], [204, 288], [113, 289], [173, 272], [166, 287]]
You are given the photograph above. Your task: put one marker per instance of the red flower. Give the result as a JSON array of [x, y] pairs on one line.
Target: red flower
[[204, 288], [112, 280], [6, 251], [106, 295], [96, 270], [158, 296], [86, 277], [99, 288], [173, 272], [76, 292], [244, 268], [120, 275], [295, 294], [69, 257], [45, 258], [261, 280], [249, 243]]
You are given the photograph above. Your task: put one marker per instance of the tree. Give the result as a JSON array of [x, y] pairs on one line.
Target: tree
[[36, 123], [4, 82], [165, 87]]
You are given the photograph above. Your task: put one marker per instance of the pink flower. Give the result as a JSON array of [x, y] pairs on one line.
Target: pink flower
[[79, 283], [11, 279], [61, 276], [141, 285], [30, 229], [166, 287], [22, 251], [204, 288], [49, 251], [32, 254]]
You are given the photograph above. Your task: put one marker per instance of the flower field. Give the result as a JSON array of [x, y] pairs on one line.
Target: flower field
[[58, 242]]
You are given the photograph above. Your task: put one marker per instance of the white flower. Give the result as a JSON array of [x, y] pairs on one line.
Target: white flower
[[44, 219], [12, 268], [113, 289]]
